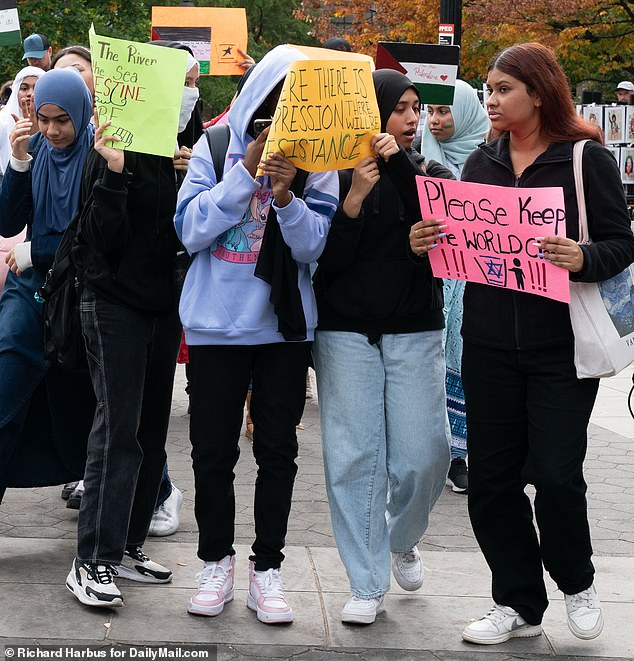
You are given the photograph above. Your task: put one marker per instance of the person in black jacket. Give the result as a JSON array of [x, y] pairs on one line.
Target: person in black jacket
[[527, 411], [127, 251], [380, 363]]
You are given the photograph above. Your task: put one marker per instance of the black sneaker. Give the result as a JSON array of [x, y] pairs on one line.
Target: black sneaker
[[458, 476], [93, 584], [136, 566], [74, 500], [68, 488]]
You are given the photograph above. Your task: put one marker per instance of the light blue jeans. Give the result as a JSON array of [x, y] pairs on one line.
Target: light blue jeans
[[386, 445]]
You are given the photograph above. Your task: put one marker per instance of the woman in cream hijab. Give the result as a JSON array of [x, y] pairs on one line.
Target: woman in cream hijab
[[22, 89]]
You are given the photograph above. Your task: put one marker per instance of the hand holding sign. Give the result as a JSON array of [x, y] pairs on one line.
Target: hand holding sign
[[425, 235], [253, 153], [138, 87], [282, 173], [384, 145], [326, 115], [562, 252], [114, 157], [492, 235]]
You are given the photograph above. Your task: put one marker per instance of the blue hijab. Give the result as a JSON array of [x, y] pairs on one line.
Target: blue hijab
[[56, 173]]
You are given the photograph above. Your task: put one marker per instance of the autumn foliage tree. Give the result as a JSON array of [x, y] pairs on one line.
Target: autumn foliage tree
[[594, 39]]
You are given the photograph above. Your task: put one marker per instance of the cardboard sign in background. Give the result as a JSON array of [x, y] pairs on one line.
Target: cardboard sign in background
[[214, 34], [138, 87], [432, 68], [326, 115], [9, 23], [491, 232]]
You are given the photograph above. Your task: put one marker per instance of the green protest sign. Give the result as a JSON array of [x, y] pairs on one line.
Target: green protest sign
[[138, 87]]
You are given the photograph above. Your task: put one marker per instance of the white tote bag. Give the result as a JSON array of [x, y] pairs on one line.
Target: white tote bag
[[602, 313]]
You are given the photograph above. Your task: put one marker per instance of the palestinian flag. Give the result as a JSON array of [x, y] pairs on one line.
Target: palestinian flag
[[432, 68], [9, 23]]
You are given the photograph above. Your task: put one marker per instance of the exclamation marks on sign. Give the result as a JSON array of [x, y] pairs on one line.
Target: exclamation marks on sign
[[538, 275], [456, 264], [444, 257], [459, 268]]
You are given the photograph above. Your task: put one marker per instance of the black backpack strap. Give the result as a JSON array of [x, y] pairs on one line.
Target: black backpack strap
[[218, 141], [299, 183], [345, 182]]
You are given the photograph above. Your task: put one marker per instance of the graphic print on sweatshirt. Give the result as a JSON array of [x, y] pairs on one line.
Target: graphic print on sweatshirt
[[241, 244]]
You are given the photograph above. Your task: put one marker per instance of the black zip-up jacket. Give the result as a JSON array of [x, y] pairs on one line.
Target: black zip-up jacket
[[127, 224], [367, 281], [506, 319]]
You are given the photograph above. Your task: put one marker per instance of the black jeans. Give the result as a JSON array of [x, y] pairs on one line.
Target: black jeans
[[132, 359], [220, 377], [527, 416]]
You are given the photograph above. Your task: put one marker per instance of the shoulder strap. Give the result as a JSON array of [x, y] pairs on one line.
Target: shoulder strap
[[577, 166], [218, 141], [299, 183], [345, 182]]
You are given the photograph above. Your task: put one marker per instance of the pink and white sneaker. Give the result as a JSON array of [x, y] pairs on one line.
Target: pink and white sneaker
[[266, 596], [215, 587]]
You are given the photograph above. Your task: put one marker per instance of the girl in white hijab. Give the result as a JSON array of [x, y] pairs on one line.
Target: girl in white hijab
[[13, 107]]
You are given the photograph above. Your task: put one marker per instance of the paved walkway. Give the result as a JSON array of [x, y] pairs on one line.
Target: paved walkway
[[37, 546]]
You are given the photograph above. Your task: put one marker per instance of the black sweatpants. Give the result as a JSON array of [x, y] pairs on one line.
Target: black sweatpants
[[220, 377], [527, 418]]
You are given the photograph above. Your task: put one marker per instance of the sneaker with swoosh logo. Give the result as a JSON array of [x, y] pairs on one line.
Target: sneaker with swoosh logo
[[500, 624]]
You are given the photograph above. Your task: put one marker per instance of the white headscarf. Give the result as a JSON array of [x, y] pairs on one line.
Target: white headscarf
[[12, 108]]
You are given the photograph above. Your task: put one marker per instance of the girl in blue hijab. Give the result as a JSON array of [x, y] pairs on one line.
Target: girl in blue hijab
[[45, 414]]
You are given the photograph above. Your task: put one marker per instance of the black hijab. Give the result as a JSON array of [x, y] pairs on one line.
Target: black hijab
[[390, 86]]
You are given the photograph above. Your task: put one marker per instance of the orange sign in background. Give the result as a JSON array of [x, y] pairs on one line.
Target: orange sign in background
[[213, 33]]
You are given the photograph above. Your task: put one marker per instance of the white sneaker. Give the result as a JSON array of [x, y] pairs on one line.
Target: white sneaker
[[136, 566], [266, 596], [215, 587], [165, 519], [408, 569], [499, 625], [93, 584], [585, 618], [362, 611]]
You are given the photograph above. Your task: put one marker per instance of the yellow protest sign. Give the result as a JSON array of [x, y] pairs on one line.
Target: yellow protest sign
[[318, 53], [326, 115], [138, 87]]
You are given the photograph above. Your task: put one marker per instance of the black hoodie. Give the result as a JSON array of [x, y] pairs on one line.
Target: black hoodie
[[127, 221], [367, 280]]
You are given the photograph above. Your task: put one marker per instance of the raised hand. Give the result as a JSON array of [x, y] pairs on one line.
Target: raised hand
[[385, 145], [19, 137], [114, 157], [282, 173], [364, 178]]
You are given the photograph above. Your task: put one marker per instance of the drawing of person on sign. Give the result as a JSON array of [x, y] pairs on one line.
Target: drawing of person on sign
[[519, 273]]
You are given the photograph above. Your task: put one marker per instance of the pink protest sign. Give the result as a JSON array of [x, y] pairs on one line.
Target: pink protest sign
[[491, 232]]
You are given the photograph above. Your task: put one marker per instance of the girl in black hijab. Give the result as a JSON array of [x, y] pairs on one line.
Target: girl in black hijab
[[380, 364]]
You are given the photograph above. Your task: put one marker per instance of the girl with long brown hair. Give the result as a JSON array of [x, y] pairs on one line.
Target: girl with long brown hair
[[527, 412]]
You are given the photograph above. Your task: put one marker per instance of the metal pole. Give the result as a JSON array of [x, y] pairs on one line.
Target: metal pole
[[451, 12]]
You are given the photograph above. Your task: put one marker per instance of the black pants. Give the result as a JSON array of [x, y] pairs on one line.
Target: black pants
[[220, 377], [527, 416], [132, 358]]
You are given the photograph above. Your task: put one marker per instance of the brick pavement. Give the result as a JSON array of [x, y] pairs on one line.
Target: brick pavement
[[40, 515]]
